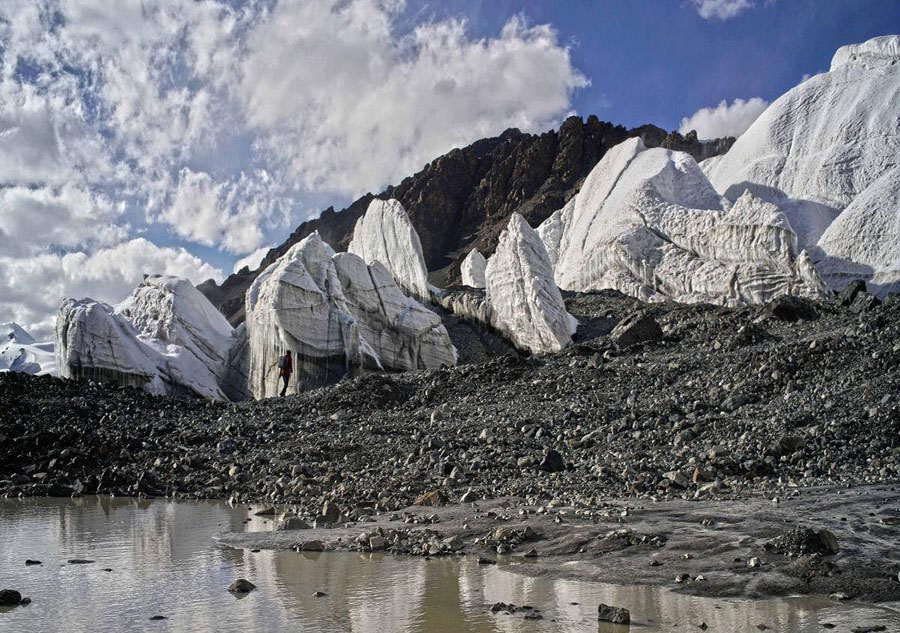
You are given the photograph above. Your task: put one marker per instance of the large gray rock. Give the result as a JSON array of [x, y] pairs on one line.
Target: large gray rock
[[638, 327], [615, 615]]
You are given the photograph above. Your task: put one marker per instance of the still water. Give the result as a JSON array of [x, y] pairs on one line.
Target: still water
[[162, 560]]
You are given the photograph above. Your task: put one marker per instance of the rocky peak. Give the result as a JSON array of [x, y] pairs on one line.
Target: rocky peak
[[464, 199]]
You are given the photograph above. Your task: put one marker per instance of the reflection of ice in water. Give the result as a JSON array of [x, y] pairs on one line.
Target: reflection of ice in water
[[164, 562]]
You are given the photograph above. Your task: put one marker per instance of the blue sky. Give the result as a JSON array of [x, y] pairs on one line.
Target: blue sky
[[656, 61], [185, 137]]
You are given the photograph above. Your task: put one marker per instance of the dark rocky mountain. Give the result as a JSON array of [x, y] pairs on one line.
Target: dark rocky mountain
[[463, 199]]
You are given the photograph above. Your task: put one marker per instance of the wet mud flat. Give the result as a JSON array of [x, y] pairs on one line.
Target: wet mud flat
[[749, 548]]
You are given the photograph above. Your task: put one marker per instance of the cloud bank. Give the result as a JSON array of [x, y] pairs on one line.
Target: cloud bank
[[724, 119], [211, 123]]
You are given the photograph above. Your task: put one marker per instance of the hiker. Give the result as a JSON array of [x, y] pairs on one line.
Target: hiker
[[286, 367]]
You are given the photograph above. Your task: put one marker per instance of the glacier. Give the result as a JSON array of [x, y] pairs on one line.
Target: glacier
[[385, 234], [525, 304], [827, 152], [165, 338], [647, 222], [339, 315], [472, 269], [21, 353]]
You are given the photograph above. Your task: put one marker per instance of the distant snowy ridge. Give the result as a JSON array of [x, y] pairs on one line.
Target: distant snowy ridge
[[21, 353]]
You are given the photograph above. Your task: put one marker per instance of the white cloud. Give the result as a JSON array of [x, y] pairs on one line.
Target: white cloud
[[33, 287], [343, 103], [33, 220], [724, 119], [216, 120], [721, 9], [253, 260]]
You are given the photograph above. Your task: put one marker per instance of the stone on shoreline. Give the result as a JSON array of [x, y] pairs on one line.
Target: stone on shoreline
[[9, 597], [241, 585], [614, 615]]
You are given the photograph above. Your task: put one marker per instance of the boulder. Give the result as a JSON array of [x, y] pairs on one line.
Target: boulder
[[552, 462], [848, 293], [792, 309], [241, 585], [614, 615], [636, 328], [9, 597], [431, 498], [293, 523]]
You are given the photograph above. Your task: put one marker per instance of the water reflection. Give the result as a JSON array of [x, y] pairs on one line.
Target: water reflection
[[164, 561]]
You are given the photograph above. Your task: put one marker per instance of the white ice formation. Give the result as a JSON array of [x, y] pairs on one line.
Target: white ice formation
[[166, 338], [472, 269], [525, 303], [20, 352], [336, 314], [648, 223], [827, 152], [385, 234]]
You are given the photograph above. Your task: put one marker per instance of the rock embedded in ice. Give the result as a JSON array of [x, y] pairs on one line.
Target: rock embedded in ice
[[385, 234], [165, 338], [472, 269], [525, 304], [648, 223]]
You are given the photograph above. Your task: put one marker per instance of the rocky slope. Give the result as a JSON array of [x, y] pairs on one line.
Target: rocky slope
[[464, 199], [712, 402]]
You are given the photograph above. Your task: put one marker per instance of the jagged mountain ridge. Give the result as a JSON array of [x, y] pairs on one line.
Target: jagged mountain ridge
[[464, 199]]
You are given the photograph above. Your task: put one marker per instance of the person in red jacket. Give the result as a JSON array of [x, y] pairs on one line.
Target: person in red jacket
[[286, 368]]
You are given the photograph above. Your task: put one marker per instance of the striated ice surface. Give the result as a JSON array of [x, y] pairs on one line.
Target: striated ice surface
[[297, 304], [525, 303], [337, 315], [166, 338], [826, 148], [385, 234], [551, 230], [864, 241], [399, 331], [472, 269], [648, 223]]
